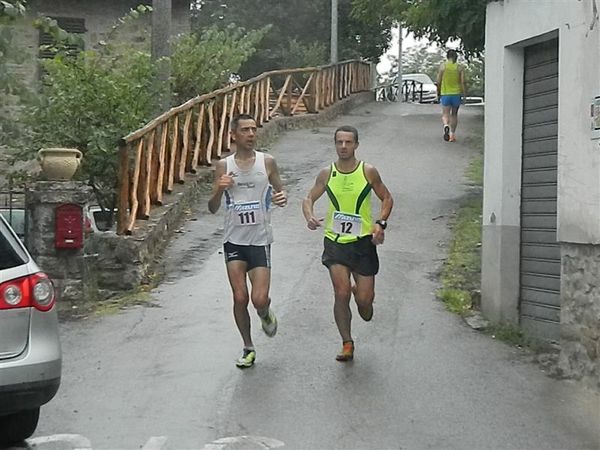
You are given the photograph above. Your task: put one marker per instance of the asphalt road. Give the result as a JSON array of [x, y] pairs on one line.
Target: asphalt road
[[163, 376]]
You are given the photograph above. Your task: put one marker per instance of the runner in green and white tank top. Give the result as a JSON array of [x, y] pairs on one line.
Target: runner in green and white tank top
[[349, 214]]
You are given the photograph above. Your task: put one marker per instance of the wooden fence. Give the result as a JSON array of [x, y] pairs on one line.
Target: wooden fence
[[158, 155]]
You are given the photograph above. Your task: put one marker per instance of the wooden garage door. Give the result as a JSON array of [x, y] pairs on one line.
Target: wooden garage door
[[540, 252]]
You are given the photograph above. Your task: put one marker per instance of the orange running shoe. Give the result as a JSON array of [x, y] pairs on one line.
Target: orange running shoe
[[452, 138], [347, 353]]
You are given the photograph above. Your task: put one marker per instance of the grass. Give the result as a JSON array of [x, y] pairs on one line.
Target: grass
[[461, 273], [117, 304], [462, 269]]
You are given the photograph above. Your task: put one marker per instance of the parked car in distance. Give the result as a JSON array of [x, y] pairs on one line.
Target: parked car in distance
[[16, 219], [97, 219], [429, 87], [30, 352]]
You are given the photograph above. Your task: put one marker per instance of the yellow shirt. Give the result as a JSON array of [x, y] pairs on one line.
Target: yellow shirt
[[451, 79]]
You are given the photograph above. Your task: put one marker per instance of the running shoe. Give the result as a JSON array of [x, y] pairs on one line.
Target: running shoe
[[446, 133], [247, 359], [452, 138], [269, 324], [347, 353]]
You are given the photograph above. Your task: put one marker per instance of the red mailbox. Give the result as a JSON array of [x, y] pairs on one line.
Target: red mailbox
[[69, 226]]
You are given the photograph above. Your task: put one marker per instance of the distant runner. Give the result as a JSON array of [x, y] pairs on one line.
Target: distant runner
[[351, 235], [452, 92], [250, 181]]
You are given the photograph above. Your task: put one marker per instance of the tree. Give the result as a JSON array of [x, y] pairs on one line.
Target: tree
[[10, 84], [295, 25], [226, 50], [437, 20]]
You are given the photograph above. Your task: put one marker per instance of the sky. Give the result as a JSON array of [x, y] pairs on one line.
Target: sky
[[408, 41]]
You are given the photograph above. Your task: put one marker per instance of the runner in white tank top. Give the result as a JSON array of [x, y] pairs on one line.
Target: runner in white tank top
[[248, 183], [248, 204]]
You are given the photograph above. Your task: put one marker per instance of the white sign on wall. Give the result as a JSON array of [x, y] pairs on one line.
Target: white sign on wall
[[595, 116]]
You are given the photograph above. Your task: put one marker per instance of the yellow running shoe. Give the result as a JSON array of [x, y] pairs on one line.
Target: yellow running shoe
[[269, 324], [247, 359]]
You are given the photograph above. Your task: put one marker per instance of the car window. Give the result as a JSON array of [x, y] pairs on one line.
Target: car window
[[16, 218], [11, 252]]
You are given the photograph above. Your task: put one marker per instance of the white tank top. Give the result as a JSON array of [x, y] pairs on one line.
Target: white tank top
[[248, 204]]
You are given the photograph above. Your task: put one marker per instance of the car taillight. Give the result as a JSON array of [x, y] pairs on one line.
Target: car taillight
[[31, 291]]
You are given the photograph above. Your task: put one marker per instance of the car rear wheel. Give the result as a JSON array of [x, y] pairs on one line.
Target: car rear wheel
[[19, 426]]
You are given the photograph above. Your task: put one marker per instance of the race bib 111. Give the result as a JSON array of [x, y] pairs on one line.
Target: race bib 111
[[248, 213]]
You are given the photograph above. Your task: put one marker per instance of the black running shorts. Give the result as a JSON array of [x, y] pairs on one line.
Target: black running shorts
[[253, 255], [360, 256]]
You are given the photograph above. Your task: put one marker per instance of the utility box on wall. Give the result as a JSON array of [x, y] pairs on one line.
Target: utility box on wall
[[68, 231]]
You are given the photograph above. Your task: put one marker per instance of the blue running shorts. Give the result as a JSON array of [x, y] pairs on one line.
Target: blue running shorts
[[451, 100]]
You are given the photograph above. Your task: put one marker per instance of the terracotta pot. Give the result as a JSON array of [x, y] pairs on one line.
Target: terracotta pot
[[59, 164]]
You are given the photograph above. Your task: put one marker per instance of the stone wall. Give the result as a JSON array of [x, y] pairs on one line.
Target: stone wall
[[66, 266], [580, 312], [99, 16], [122, 263]]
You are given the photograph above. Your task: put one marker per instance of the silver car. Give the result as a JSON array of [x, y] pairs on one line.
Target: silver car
[[420, 87], [30, 353]]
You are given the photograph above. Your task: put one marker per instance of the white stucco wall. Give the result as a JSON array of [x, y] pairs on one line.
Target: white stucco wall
[[512, 25]]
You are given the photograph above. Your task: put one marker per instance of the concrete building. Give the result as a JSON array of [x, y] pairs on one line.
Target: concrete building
[[92, 18], [541, 212]]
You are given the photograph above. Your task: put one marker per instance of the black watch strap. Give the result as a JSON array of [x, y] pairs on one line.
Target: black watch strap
[[382, 223]]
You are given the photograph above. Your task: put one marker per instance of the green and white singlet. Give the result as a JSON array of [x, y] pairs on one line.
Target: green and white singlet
[[349, 214]]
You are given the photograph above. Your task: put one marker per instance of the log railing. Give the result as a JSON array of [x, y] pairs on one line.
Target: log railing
[[158, 155]]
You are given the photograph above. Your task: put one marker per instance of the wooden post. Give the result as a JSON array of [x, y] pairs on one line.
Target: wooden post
[[267, 99], [243, 100], [231, 116], [146, 201], [122, 213], [159, 186], [211, 130], [183, 161], [173, 154], [198, 143], [222, 125], [288, 96], [134, 186]]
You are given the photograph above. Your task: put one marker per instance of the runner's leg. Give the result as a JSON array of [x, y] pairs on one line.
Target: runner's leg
[[454, 119], [236, 272], [364, 294], [260, 279], [340, 278]]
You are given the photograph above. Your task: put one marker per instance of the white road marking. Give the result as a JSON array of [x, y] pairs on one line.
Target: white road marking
[[263, 442], [78, 441], [155, 443]]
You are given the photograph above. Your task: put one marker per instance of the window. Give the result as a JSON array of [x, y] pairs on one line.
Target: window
[[70, 25]]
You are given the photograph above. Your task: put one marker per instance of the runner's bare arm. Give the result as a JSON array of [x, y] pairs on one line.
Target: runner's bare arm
[[221, 181], [279, 197], [382, 192], [313, 195], [440, 75]]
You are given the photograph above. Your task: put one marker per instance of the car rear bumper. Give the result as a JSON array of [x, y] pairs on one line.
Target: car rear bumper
[[32, 378], [22, 396]]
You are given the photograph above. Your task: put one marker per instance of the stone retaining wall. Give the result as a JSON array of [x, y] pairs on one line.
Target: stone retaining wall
[[580, 312]]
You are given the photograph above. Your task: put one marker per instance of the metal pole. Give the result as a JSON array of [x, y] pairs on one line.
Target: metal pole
[[334, 31], [399, 96], [161, 50]]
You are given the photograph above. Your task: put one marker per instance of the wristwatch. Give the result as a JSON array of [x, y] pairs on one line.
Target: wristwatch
[[382, 223]]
